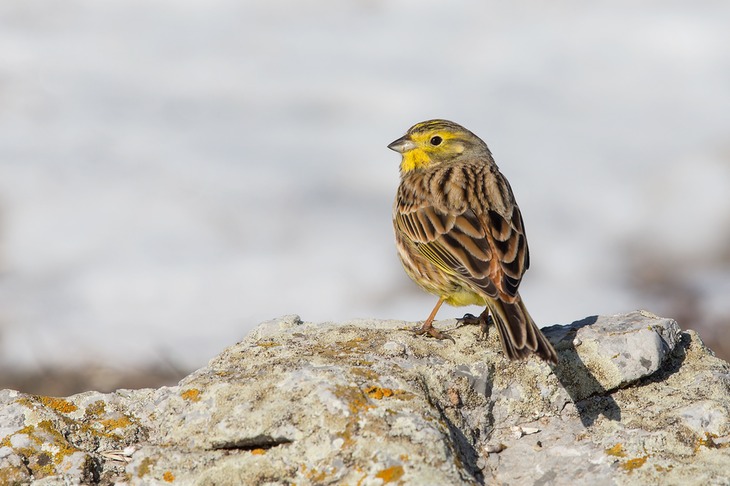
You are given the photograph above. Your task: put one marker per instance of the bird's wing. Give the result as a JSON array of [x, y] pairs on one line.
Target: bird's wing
[[482, 246], [507, 236]]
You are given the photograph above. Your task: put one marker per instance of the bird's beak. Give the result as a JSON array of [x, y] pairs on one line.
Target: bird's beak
[[402, 145]]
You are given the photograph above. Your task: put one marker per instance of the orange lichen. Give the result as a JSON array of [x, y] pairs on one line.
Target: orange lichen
[[635, 463], [192, 395], [353, 347], [96, 409], [42, 436], [353, 396], [64, 447], [99, 422], [352, 344], [13, 475], [168, 476], [45, 444], [393, 473], [378, 393], [364, 372], [617, 451], [115, 423], [357, 402], [709, 442], [258, 452], [58, 404], [144, 466], [313, 474]]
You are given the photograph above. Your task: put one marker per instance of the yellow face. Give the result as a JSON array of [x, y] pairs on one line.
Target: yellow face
[[433, 142]]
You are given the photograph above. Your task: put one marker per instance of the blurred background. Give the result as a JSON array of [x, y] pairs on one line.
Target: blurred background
[[172, 173]]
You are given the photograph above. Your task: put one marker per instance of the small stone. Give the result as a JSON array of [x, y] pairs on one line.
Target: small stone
[[454, 397], [392, 348], [705, 416], [494, 448], [520, 431]]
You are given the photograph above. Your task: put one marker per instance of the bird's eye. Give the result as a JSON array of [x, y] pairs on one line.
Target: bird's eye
[[436, 140]]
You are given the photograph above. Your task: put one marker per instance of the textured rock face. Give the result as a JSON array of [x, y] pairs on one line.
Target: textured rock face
[[633, 401]]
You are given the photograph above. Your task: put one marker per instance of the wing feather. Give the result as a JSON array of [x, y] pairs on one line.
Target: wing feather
[[480, 243]]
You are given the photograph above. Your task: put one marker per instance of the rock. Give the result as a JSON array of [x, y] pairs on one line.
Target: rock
[[634, 400]]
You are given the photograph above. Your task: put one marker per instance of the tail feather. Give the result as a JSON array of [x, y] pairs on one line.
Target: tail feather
[[519, 335]]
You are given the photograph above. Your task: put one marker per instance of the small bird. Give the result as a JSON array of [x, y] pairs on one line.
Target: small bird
[[460, 234]]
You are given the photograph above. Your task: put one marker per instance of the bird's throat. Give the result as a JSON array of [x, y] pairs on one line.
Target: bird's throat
[[414, 159]]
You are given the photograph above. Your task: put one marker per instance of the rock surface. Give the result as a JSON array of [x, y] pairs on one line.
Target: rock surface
[[634, 400]]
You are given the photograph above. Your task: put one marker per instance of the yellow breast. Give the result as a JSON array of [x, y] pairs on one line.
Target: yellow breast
[[462, 297]]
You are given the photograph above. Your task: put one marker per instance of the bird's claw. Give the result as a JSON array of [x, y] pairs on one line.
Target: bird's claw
[[433, 332], [483, 321], [468, 320]]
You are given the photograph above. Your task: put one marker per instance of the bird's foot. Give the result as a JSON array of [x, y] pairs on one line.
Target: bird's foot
[[433, 332], [484, 321], [468, 320]]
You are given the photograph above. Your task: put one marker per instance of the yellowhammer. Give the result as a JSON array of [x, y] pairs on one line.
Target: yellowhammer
[[460, 234]]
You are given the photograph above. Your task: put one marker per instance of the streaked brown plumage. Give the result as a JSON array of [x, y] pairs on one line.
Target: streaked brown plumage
[[460, 234]]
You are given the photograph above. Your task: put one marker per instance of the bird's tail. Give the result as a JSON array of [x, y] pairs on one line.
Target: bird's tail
[[518, 333]]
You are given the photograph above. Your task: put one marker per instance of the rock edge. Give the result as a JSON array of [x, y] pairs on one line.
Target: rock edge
[[634, 400]]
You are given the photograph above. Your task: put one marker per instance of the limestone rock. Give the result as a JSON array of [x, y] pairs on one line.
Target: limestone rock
[[634, 400]]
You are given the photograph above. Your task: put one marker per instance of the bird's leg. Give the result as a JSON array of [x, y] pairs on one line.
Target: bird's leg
[[484, 320], [428, 328]]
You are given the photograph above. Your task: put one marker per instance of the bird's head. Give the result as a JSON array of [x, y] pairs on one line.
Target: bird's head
[[434, 142]]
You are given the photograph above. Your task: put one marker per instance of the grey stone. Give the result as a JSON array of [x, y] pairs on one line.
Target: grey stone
[[633, 400]]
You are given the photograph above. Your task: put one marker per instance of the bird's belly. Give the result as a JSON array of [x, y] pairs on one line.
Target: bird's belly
[[462, 297], [434, 280]]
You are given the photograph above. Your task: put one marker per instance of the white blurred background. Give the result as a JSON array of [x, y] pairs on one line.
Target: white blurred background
[[173, 172]]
